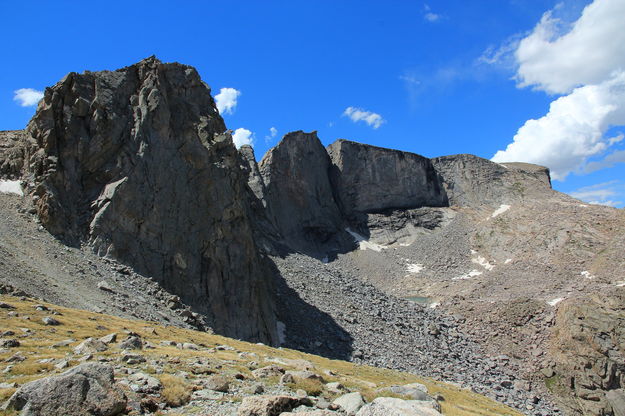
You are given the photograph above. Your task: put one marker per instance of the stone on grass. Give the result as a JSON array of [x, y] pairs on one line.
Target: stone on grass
[[390, 406], [350, 402], [48, 320], [88, 389], [90, 346], [109, 339], [269, 371], [267, 405], [217, 383], [131, 343]]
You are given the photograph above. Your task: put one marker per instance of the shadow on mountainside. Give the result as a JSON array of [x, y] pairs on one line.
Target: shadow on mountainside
[[305, 328]]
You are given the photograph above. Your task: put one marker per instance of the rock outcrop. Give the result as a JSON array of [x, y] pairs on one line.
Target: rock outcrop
[[299, 195], [469, 180], [137, 163], [373, 179], [12, 153], [588, 349]]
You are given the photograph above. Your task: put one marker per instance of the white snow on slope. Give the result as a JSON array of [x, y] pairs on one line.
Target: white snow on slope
[[466, 276], [555, 301], [415, 268], [11, 187], [363, 243], [502, 208], [587, 274], [483, 262], [507, 261]]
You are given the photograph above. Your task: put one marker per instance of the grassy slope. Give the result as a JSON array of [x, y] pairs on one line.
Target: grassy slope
[[79, 324]]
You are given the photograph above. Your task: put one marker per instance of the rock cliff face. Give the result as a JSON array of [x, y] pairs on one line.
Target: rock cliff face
[[299, 196], [372, 179], [472, 181], [137, 163], [12, 152]]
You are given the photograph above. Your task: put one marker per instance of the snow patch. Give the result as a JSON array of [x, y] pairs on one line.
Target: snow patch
[[469, 275], [555, 301], [620, 284], [281, 327], [507, 261], [483, 262], [587, 274], [434, 305], [415, 268], [11, 187], [363, 243], [502, 208]]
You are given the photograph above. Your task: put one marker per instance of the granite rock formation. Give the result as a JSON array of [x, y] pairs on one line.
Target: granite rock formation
[[137, 163], [299, 196], [472, 181], [373, 179]]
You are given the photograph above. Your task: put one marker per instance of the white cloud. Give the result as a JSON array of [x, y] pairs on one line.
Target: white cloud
[[432, 17], [273, 132], [573, 129], [429, 15], [587, 62], [503, 55], [358, 114], [601, 193], [27, 97], [588, 53], [227, 100], [242, 136]]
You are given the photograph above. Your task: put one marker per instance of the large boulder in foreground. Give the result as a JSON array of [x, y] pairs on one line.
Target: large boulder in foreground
[[138, 164], [389, 406], [88, 389], [267, 405]]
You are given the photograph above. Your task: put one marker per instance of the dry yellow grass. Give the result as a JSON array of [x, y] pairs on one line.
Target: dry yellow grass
[[176, 392], [311, 387], [79, 324]]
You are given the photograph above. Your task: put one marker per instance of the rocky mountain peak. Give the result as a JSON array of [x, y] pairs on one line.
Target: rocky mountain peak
[[299, 196], [137, 164]]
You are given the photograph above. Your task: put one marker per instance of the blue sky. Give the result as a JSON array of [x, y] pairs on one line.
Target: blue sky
[[435, 78]]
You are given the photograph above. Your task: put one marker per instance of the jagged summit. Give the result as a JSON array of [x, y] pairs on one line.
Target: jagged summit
[[137, 164]]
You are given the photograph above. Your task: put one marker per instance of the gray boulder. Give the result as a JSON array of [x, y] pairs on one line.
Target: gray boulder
[[267, 405], [350, 402], [388, 406], [88, 389], [415, 391], [90, 346]]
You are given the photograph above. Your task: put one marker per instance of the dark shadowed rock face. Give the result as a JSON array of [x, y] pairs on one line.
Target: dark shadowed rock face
[[136, 163], [299, 195], [472, 181], [372, 179]]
